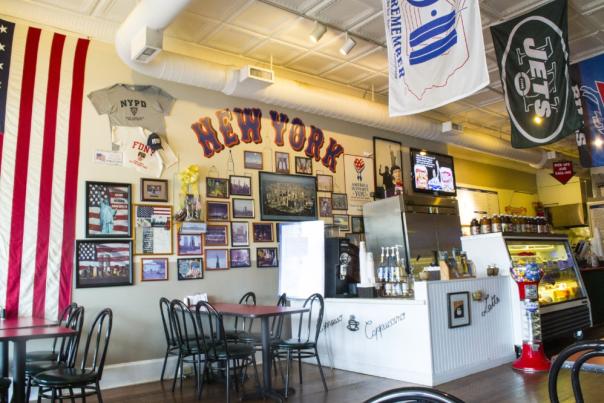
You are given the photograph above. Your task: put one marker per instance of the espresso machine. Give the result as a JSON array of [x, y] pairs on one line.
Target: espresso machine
[[341, 268]]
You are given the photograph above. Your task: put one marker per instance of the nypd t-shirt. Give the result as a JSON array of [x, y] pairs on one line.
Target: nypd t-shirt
[[137, 154], [134, 105]]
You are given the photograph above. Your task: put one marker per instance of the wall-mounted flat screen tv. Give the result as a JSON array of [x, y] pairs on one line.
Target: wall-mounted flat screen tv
[[432, 173]]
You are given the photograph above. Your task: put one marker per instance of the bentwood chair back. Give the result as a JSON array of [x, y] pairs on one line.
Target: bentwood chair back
[[277, 323], [414, 394], [310, 323], [185, 328], [51, 355], [164, 308], [98, 338], [211, 328], [68, 349], [249, 298]]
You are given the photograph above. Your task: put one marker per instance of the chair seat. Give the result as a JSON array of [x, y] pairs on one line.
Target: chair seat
[[235, 334], [293, 344], [41, 356], [256, 338], [235, 350], [35, 367], [65, 377]]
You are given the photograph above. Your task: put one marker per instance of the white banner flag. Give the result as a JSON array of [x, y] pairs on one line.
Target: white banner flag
[[435, 53]]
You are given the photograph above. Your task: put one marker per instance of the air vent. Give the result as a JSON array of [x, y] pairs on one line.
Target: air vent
[[145, 45], [253, 78], [451, 128]]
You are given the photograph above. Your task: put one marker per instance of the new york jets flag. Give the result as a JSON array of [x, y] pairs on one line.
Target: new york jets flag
[[435, 53], [532, 54]]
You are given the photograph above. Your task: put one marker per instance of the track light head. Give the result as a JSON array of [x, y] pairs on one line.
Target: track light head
[[348, 45], [317, 32]]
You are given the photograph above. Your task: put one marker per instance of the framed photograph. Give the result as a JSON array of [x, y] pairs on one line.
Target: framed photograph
[[240, 185], [301, 201], [339, 201], [252, 160], [216, 235], [217, 188], [243, 208], [190, 268], [240, 233], [267, 257], [152, 229], [459, 309], [108, 210], [240, 258], [341, 220], [387, 163], [190, 209], [281, 162], [217, 259], [217, 211], [103, 263], [324, 183], [192, 228], [189, 244], [154, 190], [303, 165], [263, 231], [357, 225], [154, 269], [324, 206]]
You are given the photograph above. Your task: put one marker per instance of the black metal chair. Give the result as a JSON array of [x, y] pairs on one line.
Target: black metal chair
[[305, 342], [242, 326], [51, 355], [218, 349], [53, 383], [4, 387], [414, 394], [584, 350], [171, 342], [65, 356]]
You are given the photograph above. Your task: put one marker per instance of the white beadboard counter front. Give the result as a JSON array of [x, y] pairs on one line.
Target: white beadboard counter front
[[410, 339]]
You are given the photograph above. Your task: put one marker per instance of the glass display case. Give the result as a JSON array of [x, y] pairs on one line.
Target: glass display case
[[560, 282]]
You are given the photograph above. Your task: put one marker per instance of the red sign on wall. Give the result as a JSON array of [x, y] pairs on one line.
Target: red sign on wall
[[563, 171]]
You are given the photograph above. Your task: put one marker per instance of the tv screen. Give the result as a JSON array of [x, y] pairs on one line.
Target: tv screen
[[432, 173]]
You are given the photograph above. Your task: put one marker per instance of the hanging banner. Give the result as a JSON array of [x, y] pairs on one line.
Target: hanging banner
[[563, 171], [358, 175], [435, 53], [588, 81], [532, 55]]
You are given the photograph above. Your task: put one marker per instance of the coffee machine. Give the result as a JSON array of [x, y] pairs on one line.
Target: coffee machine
[[341, 268]]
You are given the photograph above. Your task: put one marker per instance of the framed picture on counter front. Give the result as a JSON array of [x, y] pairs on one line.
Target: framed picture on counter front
[[458, 309], [108, 210]]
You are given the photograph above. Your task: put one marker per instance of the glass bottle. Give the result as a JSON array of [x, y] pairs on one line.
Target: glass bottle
[[474, 227], [506, 225], [496, 223], [485, 225], [381, 267]]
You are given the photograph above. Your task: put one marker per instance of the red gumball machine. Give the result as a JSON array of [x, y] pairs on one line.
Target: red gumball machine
[[533, 358]]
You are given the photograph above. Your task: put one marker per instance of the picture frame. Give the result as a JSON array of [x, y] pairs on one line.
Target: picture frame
[[263, 232], [341, 220], [108, 210], [154, 269], [458, 308], [386, 155], [189, 244], [303, 203], [190, 268], [240, 185], [267, 257], [217, 188], [216, 235], [281, 162], [325, 207], [240, 233], [303, 165], [243, 208], [153, 225], [357, 225], [216, 259], [217, 211], [339, 201], [154, 190], [324, 183], [190, 208], [192, 228], [103, 263], [253, 160], [240, 258]]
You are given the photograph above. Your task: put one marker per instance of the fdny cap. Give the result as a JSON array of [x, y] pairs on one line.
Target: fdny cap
[[154, 141]]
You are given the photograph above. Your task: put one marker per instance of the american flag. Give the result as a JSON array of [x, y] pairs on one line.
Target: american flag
[[118, 198], [41, 90]]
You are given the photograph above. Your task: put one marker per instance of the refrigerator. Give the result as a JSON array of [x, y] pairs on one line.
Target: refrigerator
[[563, 302]]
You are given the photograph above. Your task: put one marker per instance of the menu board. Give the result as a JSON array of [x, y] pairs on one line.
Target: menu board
[[432, 173]]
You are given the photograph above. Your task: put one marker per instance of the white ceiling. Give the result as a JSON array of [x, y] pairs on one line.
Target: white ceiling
[[278, 29]]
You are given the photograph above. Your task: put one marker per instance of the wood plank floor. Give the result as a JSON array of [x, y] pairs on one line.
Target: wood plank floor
[[501, 385]]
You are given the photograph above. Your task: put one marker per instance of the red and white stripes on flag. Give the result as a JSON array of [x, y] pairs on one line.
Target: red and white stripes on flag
[[39, 155]]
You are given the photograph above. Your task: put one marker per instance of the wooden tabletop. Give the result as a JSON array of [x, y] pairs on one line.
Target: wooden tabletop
[[256, 311], [30, 333], [21, 323]]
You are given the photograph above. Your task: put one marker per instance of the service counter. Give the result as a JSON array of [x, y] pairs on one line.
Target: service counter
[[410, 339]]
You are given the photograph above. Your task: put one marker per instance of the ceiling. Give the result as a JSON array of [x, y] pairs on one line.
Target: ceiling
[[278, 31]]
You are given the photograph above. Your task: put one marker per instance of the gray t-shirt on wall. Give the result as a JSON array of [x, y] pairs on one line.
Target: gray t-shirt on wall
[[134, 105]]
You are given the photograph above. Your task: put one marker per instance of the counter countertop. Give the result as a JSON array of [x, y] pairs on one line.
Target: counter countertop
[[382, 301], [458, 280]]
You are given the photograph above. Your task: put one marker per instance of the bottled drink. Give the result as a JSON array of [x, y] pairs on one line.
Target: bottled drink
[[380, 274], [485, 225], [515, 224], [496, 223], [474, 227], [506, 224]]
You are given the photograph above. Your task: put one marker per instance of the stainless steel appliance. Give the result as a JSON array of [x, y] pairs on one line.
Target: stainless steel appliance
[[341, 268]]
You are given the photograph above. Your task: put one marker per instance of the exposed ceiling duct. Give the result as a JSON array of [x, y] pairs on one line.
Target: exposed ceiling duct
[[158, 14]]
